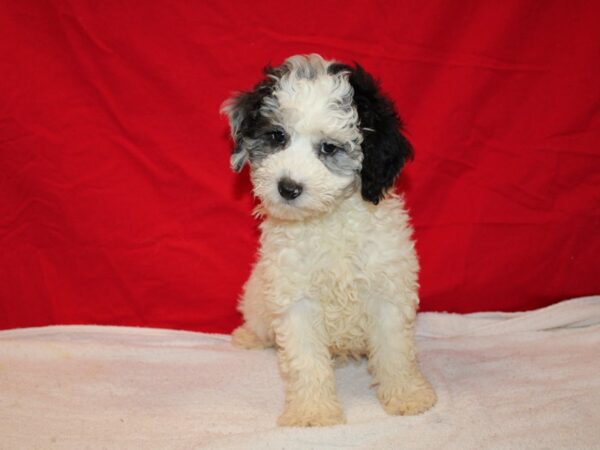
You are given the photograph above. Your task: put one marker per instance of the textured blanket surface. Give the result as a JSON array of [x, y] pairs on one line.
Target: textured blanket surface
[[517, 380]]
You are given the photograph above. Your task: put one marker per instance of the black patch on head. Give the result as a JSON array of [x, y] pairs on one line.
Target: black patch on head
[[245, 118], [385, 148]]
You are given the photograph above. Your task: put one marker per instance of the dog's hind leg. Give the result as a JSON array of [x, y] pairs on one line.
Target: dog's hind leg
[[244, 337], [256, 331]]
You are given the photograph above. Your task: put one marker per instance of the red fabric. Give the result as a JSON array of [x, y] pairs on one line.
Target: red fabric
[[116, 200]]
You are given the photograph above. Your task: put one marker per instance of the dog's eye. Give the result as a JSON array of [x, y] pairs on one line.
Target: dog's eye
[[276, 137], [328, 148]]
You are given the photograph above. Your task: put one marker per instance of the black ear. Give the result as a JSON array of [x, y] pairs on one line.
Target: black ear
[[243, 111], [385, 148]]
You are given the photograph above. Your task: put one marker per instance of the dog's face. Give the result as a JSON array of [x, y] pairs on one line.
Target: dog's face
[[314, 132]]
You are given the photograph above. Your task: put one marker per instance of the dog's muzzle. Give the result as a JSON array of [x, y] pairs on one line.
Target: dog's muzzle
[[289, 189]]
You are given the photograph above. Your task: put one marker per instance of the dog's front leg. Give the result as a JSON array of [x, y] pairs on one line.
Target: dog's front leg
[[310, 396], [401, 387]]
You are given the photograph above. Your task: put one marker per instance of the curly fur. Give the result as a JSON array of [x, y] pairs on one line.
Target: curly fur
[[337, 269]]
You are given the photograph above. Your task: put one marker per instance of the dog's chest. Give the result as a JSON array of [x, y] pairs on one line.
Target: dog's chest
[[328, 263], [344, 263], [337, 281], [340, 289]]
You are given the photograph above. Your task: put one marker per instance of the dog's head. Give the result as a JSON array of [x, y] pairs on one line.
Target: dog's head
[[314, 132]]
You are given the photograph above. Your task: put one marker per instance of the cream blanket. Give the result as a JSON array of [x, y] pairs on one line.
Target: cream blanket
[[521, 380]]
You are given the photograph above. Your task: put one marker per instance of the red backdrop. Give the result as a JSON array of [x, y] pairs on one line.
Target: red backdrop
[[117, 205]]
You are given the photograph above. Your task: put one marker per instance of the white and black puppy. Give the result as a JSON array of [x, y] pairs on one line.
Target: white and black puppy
[[337, 271]]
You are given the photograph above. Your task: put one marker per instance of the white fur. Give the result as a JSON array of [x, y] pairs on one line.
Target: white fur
[[336, 276], [311, 107], [343, 284]]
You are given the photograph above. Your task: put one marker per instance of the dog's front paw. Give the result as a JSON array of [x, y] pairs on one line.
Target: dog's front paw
[[314, 416], [407, 400]]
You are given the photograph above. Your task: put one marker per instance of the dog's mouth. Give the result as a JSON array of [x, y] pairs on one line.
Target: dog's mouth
[[286, 210], [296, 209]]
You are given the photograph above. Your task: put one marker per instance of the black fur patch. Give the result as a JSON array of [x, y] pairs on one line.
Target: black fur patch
[[384, 147]]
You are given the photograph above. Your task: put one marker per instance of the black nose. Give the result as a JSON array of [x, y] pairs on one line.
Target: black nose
[[289, 189]]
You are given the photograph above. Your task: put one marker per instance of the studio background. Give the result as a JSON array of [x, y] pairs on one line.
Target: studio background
[[117, 204]]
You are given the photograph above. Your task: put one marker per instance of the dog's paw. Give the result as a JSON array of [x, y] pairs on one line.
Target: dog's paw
[[311, 416], [243, 337], [407, 400]]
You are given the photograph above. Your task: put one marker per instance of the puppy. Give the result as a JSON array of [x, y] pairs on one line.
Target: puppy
[[337, 271]]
